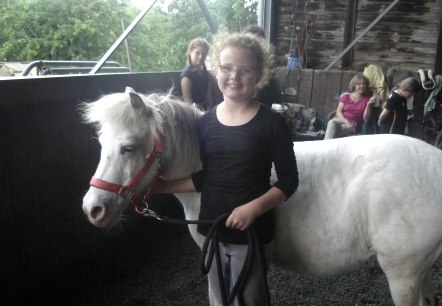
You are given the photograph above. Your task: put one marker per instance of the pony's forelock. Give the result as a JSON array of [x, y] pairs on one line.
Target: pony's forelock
[[168, 118], [114, 111]]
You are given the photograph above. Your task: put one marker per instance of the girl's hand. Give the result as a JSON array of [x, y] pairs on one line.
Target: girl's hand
[[372, 100], [350, 126], [242, 217]]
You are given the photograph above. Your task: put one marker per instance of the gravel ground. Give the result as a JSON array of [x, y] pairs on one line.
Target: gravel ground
[[152, 263]]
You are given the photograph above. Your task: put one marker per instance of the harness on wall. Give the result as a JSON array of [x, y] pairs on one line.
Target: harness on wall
[[433, 108], [427, 80]]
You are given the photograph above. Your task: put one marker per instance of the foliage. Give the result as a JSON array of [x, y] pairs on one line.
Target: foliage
[[234, 15], [165, 34], [85, 29], [160, 41], [58, 29]]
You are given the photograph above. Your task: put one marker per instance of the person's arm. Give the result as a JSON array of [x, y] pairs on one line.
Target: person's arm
[[175, 186], [186, 89], [243, 216], [367, 111], [384, 114], [340, 115]]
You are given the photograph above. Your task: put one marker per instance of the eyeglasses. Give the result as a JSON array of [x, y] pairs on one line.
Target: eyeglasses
[[243, 71]]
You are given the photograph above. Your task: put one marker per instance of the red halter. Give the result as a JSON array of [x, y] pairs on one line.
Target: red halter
[[128, 192]]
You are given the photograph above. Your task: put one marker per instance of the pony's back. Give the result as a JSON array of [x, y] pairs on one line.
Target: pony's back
[[351, 189]]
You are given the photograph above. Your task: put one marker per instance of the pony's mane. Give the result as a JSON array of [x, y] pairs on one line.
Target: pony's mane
[[181, 137], [168, 116]]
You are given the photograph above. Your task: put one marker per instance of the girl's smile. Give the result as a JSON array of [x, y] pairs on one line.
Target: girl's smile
[[236, 74], [360, 87]]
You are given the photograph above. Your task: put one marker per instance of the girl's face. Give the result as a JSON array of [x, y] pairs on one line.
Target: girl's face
[[236, 73], [360, 87], [198, 56]]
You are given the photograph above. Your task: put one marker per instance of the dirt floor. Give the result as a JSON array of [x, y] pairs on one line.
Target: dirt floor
[[152, 263]]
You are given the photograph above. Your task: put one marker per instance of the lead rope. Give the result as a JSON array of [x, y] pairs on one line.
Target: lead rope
[[211, 245]]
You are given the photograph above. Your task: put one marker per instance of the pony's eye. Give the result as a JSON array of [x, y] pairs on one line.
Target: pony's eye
[[127, 149]]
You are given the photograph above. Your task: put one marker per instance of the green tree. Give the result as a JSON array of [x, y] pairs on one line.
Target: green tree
[[85, 29], [234, 15], [59, 29], [164, 33]]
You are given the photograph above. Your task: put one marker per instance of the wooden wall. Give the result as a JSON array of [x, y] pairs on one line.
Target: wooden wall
[[406, 37], [317, 89], [320, 89]]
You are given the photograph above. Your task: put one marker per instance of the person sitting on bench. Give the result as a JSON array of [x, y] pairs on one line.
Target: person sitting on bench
[[354, 108]]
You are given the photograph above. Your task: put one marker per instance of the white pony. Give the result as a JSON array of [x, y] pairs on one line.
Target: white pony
[[361, 196]]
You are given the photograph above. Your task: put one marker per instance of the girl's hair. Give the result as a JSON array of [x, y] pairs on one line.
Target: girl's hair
[[255, 29], [410, 84], [261, 50], [358, 78], [195, 43]]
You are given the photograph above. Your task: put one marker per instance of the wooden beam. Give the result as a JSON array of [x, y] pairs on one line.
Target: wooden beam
[[268, 18], [349, 32], [438, 55], [122, 37], [207, 15]]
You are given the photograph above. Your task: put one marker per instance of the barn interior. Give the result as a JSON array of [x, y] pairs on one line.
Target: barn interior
[[48, 155]]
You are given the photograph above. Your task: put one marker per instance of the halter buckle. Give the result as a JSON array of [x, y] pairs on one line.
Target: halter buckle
[[127, 193]]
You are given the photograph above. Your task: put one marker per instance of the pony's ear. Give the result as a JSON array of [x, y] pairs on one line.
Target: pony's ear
[[138, 104]]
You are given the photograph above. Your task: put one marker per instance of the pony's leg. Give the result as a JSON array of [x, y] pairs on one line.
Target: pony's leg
[[429, 295], [409, 284]]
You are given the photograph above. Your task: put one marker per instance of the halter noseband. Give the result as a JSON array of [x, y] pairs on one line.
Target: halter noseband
[[128, 192]]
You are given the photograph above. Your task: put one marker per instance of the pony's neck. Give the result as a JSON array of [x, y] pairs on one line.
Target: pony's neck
[[181, 152], [181, 155]]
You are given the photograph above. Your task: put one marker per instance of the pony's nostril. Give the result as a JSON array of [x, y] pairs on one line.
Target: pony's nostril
[[96, 211]]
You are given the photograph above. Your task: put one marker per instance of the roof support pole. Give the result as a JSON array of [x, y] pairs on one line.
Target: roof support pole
[[122, 37], [207, 15], [349, 32]]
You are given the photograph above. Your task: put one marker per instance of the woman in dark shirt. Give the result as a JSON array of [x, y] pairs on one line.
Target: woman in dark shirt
[[195, 79]]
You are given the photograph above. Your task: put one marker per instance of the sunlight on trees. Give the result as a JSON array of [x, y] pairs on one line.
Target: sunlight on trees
[[85, 29]]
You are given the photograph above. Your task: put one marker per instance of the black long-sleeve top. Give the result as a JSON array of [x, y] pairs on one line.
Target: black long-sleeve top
[[396, 121], [237, 162], [200, 86]]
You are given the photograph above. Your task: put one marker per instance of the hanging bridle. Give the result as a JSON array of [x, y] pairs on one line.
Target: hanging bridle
[[128, 192]]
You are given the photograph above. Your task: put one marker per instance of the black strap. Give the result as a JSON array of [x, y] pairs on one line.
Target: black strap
[[210, 250]]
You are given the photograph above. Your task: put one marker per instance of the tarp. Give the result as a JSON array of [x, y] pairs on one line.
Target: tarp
[[10, 69]]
